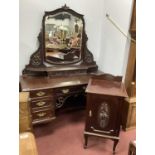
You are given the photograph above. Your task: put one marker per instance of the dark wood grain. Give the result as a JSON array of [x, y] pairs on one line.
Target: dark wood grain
[[129, 109], [104, 99], [29, 83]]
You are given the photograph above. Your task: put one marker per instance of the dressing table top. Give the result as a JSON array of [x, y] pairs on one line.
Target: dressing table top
[[30, 83]]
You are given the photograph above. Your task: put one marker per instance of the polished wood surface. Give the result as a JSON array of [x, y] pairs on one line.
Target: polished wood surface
[[104, 87], [50, 93], [27, 144], [129, 109], [133, 20], [25, 122], [131, 68], [130, 76], [105, 96], [36, 83]]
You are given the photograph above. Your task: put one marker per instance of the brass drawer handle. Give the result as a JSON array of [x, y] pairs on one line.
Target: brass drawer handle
[[90, 113], [65, 91], [41, 114], [41, 93], [41, 103]]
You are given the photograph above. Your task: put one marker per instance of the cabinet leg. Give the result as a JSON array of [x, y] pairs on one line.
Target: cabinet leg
[[114, 146], [86, 141]]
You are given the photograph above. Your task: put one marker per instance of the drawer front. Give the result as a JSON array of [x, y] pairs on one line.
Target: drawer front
[[42, 103], [68, 90], [43, 114], [41, 93]]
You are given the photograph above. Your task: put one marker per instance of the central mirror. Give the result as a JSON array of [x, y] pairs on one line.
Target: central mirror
[[63, 38]]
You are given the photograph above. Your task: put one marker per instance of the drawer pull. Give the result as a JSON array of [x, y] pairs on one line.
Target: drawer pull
[[90, 113], [40, 103], [41, 93], [65, 91], [41, 114]]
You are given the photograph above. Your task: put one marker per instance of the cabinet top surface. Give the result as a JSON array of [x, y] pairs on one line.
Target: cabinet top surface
[[35, 83], [105, 87]]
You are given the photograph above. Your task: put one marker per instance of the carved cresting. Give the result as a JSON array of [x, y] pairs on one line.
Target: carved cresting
[[103, 115]]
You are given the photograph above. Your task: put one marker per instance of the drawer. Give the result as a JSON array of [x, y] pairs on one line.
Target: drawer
[[41, 93], [43, 114], [42, 103], [71, 89]]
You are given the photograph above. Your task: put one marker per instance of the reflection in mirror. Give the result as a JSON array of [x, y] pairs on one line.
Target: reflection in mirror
[[63, 38]]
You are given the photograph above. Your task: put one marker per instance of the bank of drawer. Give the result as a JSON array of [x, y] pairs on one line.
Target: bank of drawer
[[42, 103], [40, 93], [68, 90], [42, 114]]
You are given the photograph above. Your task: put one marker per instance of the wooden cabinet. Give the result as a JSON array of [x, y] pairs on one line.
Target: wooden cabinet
[[104, 102], [25, 123], [129, 109]]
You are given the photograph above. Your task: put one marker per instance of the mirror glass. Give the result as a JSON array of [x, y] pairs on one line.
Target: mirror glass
[[63, 38]]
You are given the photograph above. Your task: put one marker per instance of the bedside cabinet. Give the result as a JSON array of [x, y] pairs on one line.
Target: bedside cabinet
[[103, 112]]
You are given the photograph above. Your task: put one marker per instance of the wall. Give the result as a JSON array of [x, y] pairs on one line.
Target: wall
[[108, 45], [31, 13], [114, 46]]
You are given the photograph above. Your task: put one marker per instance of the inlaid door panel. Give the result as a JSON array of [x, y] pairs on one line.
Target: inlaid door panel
[[102, 113]]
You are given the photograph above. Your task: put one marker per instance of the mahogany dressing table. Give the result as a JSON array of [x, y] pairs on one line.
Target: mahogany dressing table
[[60, 69]]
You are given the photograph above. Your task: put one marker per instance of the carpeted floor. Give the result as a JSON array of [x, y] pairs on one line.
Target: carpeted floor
[[64, 136]]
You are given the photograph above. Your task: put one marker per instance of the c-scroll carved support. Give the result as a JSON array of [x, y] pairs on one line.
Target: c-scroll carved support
[[36, 58], [88, 56]]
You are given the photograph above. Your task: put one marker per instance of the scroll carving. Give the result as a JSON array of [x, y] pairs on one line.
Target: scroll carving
[[36, 59]]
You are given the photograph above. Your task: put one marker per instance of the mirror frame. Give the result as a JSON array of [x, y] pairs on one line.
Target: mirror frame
[[38, 64], [75, 14]]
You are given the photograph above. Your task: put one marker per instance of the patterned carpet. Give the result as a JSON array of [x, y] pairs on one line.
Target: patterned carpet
[[64, 136]]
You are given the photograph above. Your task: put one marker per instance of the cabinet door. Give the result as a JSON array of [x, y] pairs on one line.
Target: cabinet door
[[103, 114]]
